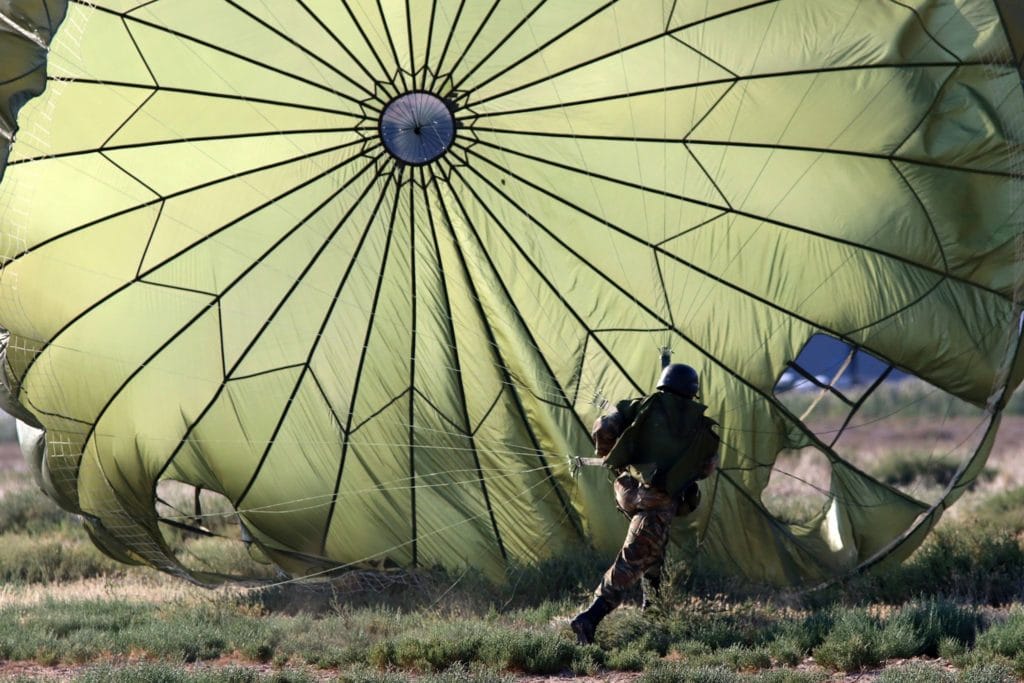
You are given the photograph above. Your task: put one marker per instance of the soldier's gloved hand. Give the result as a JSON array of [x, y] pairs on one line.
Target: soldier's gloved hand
[[575, 464], [690, 499]]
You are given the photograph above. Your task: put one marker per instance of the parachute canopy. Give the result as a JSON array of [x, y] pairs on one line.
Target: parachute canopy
[[369, 269]]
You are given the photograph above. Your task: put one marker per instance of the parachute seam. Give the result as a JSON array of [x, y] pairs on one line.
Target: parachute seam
[[502, 365], [366, 41], [668, 255], [408, 34], [1018, 59], [339, 43], [206, 138], [145, 63], [429, 47], [412, 334], [738, 212], [390, 180], [459, 430], [540, 48], [447, 44], [139, 277], [261, 373], [459, 377], [202, 186], [351, 431], [298, 46], [732, 81], [487, 413], [594, 60], [405, 86], [217, 394], [692, 229], [327, 402], [149, 241], [476, 34], [924, 27], [554, 290], [854, 153], [236, 55], [766, 395], [206, 93], [458, 85], [102, 154], [120, 127]]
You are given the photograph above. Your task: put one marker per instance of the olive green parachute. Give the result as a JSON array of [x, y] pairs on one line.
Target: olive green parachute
[[370, 269]]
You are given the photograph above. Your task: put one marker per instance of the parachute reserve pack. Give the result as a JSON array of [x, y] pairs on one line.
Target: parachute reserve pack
[[663, 440]]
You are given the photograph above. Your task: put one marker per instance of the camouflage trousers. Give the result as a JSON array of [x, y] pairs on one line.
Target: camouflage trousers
[[650, 513]]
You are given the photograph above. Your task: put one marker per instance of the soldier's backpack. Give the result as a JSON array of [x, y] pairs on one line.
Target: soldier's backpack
[[667, 441]]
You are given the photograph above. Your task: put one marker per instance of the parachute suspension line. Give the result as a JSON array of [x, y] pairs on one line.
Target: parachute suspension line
[[212, 402], [398, 546], [556, 393], [490, 333], [458, 377], [525, 255], [287, 507], [413, 301], [590, 334], [366, 342]]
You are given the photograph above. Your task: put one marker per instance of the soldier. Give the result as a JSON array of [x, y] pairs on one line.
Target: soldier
[[659, 446]]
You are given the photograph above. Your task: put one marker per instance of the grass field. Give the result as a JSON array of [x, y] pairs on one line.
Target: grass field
[[953, 612]]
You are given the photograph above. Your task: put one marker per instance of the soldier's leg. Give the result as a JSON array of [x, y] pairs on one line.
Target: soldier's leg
[[642, 551], [651, 587]]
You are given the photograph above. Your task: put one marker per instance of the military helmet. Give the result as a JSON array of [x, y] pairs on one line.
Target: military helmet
[[680, 379]]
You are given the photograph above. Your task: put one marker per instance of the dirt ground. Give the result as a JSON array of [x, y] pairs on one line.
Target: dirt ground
[[32, 671]]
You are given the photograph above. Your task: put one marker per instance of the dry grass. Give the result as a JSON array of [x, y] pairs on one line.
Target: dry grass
[[134, 585]]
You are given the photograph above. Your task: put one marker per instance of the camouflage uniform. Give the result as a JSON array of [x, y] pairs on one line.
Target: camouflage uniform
[[659, 446], [651, 512]]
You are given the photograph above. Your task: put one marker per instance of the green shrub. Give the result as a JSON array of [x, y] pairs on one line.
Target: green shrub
[[934, 620], [673, 672], [1006, 638], [786, 676], [569, 573], [154, 672], [795, 640], [990, 672], [898, 637], [632, 629], [526, 651], [630, 658], [52, 558], [901, 468], [457, 674], [190, 633], [852, 644], [28, 510], [587, 660], [1003, 510], [916, 672], [972, 563]]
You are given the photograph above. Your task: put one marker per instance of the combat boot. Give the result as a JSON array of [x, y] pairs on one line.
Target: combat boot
[[585, 623]]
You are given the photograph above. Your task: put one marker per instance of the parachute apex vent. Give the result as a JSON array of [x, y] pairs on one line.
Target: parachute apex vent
[[417, 127]]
